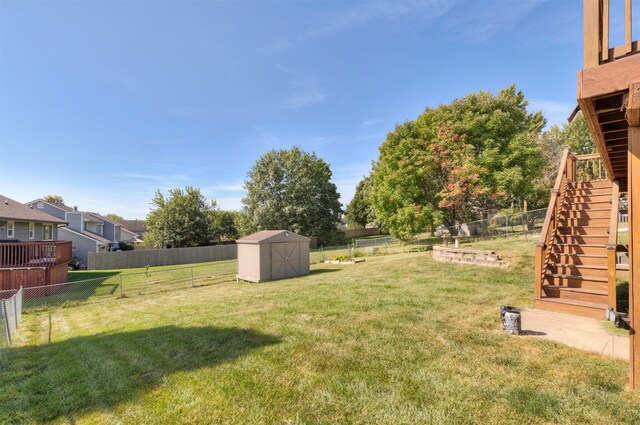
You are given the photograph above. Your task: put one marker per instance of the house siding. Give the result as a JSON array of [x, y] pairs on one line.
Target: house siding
[[81, 245], [75, 220], [49, 209], [21, 232]]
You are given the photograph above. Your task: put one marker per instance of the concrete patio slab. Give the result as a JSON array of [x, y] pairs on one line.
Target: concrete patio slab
[[579, 332]]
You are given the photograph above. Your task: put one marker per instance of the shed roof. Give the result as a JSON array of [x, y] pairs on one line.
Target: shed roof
[[269, 236], [14, 210]]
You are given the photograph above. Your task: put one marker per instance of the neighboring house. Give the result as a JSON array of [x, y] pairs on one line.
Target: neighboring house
[[137, 227], [30, 252], [21, 223], [89, 232]]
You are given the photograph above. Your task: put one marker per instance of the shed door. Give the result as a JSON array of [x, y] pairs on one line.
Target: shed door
[[285, 260]]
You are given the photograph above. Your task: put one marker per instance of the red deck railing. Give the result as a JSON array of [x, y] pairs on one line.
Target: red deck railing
[[35, 254]]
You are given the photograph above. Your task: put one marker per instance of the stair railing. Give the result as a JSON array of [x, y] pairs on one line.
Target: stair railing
[[566, 174], [590, 167], [612, 247]]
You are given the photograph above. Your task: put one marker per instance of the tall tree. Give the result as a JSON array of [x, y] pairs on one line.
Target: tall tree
[[54, 199], [180, 220], [224, 225], [291, 189], [114, 217], [360, 211], [458, 161], [576, 136]]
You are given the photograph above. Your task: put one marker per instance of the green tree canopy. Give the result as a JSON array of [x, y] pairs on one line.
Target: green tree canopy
[[114, 217], [458, 161], [291, 189], [576, 136], [360, 211], [179, 220], [225, 225]]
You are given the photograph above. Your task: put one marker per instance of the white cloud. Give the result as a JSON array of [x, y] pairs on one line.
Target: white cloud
[[367, 12], [555, 111], [481, 20], [305, 98]]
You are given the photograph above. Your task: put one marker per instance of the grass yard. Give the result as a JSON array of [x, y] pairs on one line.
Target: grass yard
[[396, 339]]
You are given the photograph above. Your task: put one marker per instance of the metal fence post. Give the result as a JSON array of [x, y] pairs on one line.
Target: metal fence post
[[15, 309], [120, 286], [6, 320], [192, 283]]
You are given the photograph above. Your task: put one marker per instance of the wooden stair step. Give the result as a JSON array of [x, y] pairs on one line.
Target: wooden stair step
[[582, 270], [584, 230], [570, 258], [587, 214], [590, 184], [576, 289], [576, 248], [588, 206], [580, 308], [589, 190], [574, 277]]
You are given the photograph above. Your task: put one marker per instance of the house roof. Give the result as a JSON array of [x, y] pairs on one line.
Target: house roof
[[92, 217], [267, 236], [97, 237], [88, 235], [14, 210], [136, 226], [103, 218], [60, 206]]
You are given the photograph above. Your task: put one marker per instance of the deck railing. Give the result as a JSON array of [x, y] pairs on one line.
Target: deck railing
[[597, 33], [35, 254]]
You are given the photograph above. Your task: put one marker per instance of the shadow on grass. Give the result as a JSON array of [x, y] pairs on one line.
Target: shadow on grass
[[86, 275], [321, 271], [80, 287], [61, 379]]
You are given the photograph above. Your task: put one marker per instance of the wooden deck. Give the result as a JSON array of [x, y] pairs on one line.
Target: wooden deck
[[30, 264]]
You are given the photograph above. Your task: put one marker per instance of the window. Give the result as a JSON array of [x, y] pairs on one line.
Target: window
[[11, 232], [32, 230], [40, 205], [47, 232]]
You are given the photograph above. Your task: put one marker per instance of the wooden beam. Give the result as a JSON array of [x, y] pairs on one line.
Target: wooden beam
[[633, 105], [612, 246], [628, 36], [604, 47], [591, 33], [608, 78], [633, 193], [590, 116]]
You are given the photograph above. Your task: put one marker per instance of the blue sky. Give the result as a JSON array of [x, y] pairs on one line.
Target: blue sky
[[105, 102]]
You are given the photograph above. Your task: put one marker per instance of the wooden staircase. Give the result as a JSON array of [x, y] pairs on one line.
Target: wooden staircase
[[577, 247]]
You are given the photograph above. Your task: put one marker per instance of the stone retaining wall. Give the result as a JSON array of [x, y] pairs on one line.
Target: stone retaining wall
[[467, 256]]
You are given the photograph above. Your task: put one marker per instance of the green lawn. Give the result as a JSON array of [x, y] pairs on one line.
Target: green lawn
[[396, 339]]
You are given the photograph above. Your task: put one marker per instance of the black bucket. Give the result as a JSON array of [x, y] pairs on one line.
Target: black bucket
[[511, 321]]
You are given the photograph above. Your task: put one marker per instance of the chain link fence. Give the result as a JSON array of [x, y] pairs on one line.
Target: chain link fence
[[110, 285], [10, 316], [524, 223]]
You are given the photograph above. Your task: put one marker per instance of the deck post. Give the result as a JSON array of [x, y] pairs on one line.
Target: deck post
[[634, 254]]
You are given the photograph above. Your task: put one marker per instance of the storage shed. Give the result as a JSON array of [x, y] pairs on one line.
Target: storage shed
[[272, 254]]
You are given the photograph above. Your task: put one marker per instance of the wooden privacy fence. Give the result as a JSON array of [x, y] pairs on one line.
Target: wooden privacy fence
[[160, 257]]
